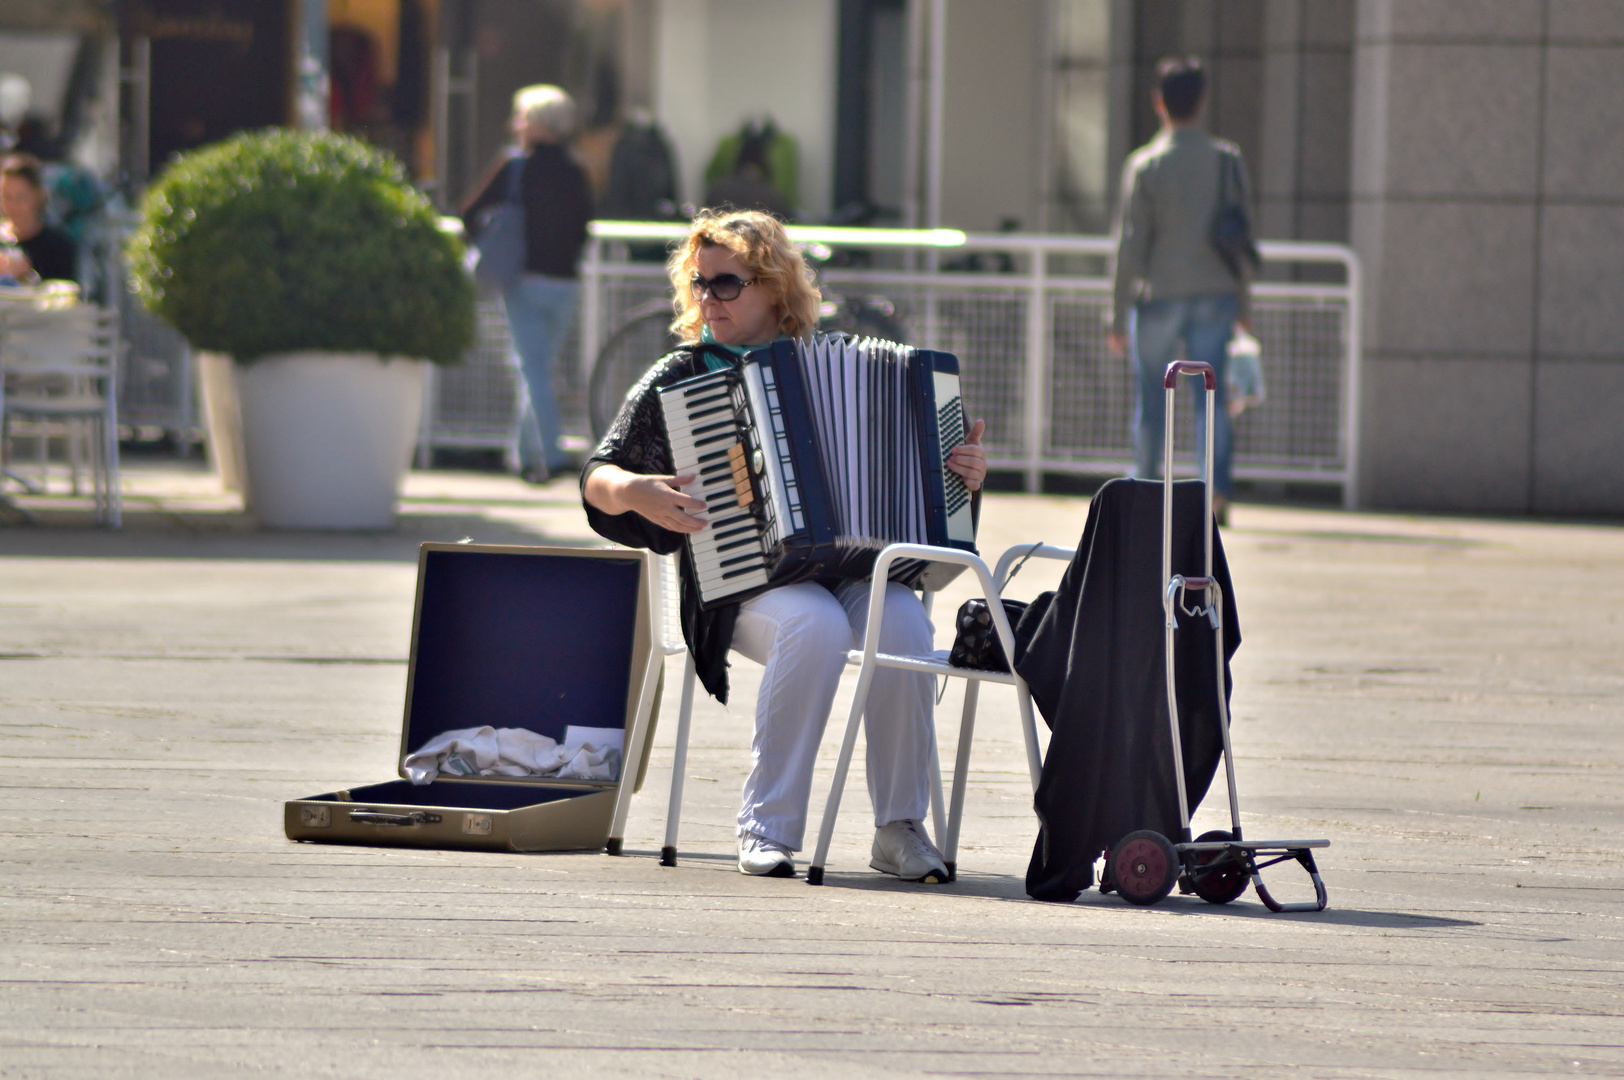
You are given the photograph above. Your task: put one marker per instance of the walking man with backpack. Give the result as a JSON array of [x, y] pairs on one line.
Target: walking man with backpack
[[1184, 264]]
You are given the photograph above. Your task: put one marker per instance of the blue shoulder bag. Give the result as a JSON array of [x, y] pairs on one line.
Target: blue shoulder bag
[[498, 253]]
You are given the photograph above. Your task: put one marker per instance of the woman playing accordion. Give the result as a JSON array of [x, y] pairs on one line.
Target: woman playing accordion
[[740, 284]]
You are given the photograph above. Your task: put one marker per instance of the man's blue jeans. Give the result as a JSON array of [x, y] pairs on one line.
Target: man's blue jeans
[[540, 310], [1204, 324]]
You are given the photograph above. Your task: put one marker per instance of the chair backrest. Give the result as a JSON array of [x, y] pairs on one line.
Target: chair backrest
[[1011, 559], [81, 340]]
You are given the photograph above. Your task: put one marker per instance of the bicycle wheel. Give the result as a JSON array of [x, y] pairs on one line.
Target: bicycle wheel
[[641, 340]]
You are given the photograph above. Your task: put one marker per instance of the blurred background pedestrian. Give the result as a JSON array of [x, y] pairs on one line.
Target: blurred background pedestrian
[[540, 304], [1177, 281]]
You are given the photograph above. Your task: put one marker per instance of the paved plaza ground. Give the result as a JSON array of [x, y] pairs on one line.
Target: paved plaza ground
[[1442, 698]]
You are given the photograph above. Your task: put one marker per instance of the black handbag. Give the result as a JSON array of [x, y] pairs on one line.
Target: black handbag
[[975, 640], [1231, 225]]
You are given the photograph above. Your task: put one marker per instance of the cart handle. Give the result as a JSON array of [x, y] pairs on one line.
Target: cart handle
[[1189, 367]]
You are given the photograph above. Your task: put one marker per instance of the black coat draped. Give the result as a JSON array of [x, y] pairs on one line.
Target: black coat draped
[[1096, 670], [637, 442]]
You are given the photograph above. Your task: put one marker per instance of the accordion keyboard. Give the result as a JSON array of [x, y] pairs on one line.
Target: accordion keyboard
[[703, 428]]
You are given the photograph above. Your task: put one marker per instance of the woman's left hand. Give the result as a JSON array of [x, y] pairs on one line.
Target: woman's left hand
[[968, 459]]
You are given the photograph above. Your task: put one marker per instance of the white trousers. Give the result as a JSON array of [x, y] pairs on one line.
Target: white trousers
[[801, 634]]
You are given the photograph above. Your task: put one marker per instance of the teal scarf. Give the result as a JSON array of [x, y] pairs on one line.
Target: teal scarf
[[716, 363]]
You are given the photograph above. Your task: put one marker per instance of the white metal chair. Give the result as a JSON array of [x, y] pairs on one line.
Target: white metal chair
[[665, 618], [869, 658], [674, 644], [946, 824], [65, 366]]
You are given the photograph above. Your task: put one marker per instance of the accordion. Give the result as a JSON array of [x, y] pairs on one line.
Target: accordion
[[813, 456]]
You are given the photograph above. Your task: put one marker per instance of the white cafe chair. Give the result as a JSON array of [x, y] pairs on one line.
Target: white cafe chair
[[64, 366]]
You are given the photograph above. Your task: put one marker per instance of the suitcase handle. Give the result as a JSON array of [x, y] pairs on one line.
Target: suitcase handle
[[373, 817], [1170, 380]]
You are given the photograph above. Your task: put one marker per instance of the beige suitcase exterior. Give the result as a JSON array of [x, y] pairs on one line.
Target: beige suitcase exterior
[[532, 637]]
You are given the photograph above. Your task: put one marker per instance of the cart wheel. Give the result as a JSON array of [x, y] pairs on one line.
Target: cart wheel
[[1224, 882], [1144, 867]]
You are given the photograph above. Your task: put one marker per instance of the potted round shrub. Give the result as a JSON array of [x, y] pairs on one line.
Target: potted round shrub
[[316, 282]]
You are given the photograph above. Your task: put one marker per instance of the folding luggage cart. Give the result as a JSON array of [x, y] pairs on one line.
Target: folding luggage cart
[[1145, 865]]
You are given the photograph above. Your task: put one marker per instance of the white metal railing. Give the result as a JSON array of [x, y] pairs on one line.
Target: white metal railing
[[1027, 315]]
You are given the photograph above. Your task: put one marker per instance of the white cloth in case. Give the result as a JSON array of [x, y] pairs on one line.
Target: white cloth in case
[[488, 751]]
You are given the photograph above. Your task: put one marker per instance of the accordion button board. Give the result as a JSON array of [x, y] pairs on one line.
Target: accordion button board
[[705, 441], [812, 456]]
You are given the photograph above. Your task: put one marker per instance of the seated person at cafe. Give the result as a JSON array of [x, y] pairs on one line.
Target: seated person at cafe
[[34, 251]]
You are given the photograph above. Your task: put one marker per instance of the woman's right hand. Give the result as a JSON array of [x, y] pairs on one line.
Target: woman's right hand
[[615, 491], [657, 498]]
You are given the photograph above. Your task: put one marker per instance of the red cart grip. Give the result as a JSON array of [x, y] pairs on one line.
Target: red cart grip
[[1189, 367]]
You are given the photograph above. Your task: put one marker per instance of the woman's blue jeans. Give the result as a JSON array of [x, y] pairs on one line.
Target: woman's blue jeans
[[540, 310], [1204, 324]]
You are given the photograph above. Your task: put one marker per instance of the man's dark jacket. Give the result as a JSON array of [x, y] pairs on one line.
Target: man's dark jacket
[[1096, 671]]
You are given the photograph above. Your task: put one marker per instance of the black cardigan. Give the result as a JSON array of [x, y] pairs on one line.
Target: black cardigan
[[637, 442]]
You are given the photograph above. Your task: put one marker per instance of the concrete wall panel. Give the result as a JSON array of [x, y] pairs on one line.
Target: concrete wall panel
[[1467, 20], [1455, 278], [1584, 147], [1327, 116], [1582, 282], [1323, 219], [1587, 20], [1578, 466], [1464, 120], [1446, 434], [1328, 23]]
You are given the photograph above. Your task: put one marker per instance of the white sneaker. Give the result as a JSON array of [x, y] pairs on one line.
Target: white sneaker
[[761, 857], [903, 849]]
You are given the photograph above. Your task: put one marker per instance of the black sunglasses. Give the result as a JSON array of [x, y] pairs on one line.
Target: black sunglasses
[[720, 287]]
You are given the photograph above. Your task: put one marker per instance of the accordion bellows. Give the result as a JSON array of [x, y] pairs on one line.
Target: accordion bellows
[[813, 456]]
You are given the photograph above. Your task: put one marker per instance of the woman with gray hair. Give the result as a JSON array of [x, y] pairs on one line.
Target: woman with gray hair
[[540, 304]]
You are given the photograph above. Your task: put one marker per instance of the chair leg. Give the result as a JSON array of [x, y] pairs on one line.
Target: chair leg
[[93, 444], [632, 759], [1029, 732], [938, 817], [75, 439], [679, 764], [110, 478], [961, 770], [831, 809]]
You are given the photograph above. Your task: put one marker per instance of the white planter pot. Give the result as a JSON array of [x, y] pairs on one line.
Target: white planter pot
[[222, 421], [328, 437]]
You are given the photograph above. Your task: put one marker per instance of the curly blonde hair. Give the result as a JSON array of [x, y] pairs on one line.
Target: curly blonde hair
[[759, 242]]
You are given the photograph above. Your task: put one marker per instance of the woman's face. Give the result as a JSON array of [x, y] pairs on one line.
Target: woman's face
[[20, 201], [749, 319]]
